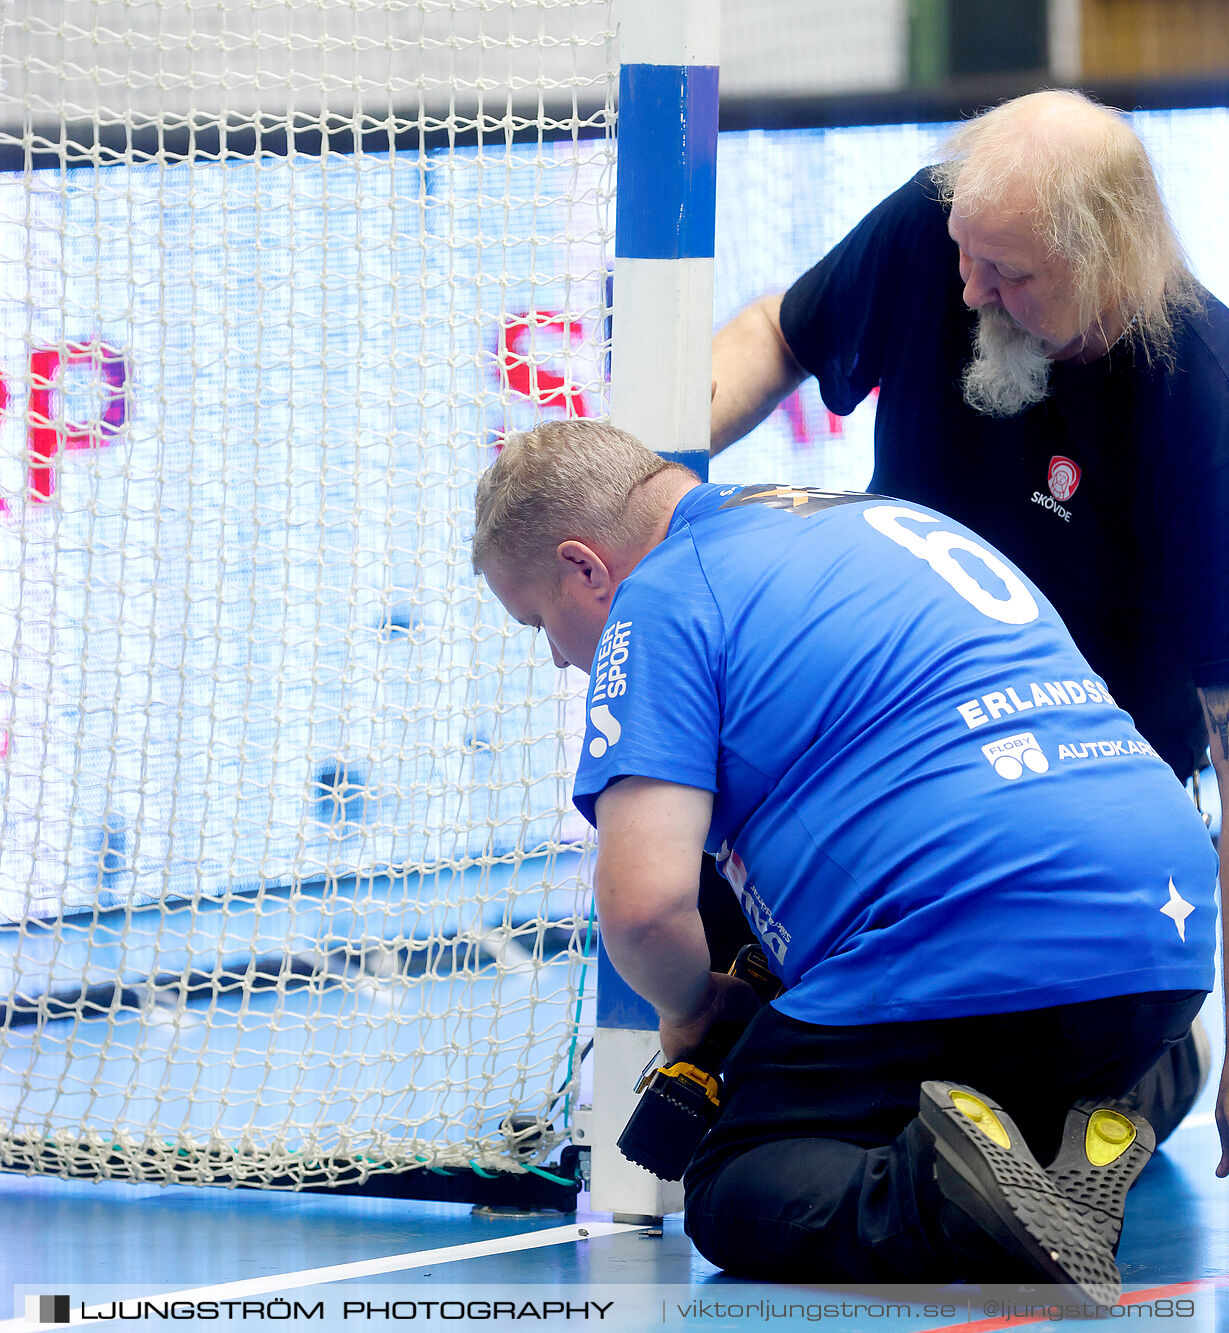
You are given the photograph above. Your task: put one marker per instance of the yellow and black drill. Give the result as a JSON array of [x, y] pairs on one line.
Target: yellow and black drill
[[679, 1101]]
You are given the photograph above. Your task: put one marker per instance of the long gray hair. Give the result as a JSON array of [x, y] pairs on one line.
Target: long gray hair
[[1095, 203]]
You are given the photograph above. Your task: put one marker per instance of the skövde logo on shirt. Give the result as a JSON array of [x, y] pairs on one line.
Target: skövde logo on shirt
[[1062, 477], [609, 683], [1013, 754]]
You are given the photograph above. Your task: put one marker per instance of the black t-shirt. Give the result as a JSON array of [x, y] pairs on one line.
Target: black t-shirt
[[1112, 493]]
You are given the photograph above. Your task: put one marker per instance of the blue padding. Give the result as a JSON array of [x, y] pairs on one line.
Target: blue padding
[[667, 141], [618, 1006], [695, 459]]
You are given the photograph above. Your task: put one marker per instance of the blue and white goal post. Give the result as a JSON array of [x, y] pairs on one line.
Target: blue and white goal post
[[660, 391]]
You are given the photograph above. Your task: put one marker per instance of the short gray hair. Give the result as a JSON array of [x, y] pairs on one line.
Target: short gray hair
[[562, 480], [1096, 203]]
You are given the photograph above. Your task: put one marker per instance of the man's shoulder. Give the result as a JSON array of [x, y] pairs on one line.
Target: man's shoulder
[[1203, 334], [721, 537], [721, 516], [1192, 376], [922, 190], [910, 220], [915, 211]]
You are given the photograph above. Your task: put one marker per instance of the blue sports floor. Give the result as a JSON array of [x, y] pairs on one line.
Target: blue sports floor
[[231, 1258]]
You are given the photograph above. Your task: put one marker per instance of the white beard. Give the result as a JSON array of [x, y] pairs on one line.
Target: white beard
[[1009, 371]]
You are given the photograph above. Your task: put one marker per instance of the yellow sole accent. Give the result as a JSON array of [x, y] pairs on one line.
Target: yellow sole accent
[[1108, 1136], [982, 1116]]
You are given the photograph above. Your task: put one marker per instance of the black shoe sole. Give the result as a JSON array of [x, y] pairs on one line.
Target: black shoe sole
[[1105, 1147], [986, 1170]]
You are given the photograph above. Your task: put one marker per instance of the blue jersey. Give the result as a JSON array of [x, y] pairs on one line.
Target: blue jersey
[[926, 801]]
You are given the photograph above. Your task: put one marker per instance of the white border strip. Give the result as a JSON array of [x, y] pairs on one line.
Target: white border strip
[[679, 32], [661, 380], [312, 1277]]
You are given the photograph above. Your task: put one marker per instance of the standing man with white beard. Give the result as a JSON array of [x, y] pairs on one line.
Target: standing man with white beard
[[1051, 374]]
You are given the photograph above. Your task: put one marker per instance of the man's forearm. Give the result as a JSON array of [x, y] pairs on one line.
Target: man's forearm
[[650, 841], [753, 370], [665, 962]]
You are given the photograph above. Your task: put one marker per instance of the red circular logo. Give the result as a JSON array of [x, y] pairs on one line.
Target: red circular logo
[[1063, 477]]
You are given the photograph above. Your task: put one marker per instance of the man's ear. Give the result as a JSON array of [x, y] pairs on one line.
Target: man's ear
[[577, 561]]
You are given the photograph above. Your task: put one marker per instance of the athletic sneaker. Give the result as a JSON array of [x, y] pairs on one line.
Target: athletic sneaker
[[1105, 1147], [986, 1172]]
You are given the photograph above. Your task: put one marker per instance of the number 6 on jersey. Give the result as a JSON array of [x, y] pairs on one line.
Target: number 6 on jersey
[[1019, 607]]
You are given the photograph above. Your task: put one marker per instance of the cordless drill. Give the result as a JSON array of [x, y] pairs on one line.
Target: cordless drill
[[679, 1101]]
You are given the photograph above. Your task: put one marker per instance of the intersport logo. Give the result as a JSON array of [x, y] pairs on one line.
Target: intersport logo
[[609, 683]]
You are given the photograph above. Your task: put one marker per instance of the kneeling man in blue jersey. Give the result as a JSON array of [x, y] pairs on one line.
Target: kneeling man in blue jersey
[[990, 903]]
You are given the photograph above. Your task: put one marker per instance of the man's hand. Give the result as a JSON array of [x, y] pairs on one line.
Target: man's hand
[[728, 1006], [1216, 715], [1222, 1122]]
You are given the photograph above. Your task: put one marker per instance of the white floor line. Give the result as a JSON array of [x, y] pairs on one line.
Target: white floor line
[[311, 1277]]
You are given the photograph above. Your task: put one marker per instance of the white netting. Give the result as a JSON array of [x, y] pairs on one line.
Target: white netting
[[285, 861]]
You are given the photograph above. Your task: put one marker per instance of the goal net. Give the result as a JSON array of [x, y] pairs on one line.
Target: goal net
[[289, 890]]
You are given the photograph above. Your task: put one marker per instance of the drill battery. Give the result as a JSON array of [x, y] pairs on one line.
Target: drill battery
[[680, 1101]]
